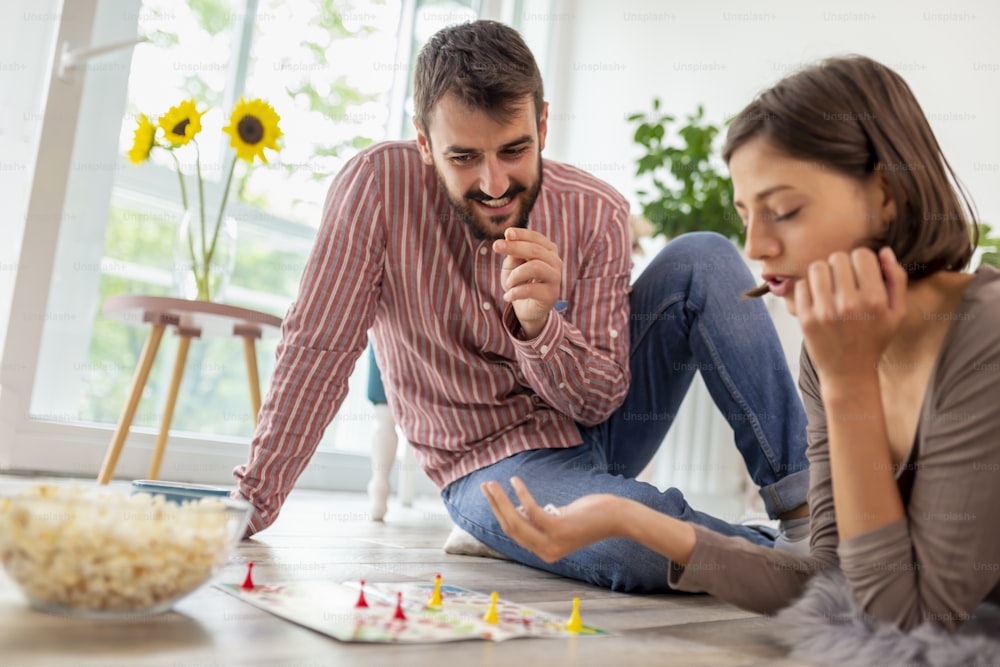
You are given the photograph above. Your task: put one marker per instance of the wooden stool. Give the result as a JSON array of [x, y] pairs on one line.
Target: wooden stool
[[189, 319]]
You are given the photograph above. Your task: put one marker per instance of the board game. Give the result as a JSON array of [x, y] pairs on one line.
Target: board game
[[405, 612]]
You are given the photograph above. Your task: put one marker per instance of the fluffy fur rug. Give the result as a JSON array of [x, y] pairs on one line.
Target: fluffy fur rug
[[827, 626]]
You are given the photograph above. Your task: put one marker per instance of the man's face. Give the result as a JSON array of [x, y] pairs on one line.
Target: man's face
[[491, 171]]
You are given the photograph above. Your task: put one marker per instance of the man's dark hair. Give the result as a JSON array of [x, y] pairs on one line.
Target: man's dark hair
[[485, 64]]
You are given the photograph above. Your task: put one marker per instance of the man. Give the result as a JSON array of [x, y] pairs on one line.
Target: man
[[496, 287]]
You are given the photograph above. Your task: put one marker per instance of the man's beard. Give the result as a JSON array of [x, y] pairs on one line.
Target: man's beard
[[484, 230]]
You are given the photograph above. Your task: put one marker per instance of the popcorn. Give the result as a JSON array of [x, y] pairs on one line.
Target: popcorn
[[73, 548]]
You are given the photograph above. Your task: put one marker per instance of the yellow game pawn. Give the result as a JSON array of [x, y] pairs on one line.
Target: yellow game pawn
[[435, 600], [491, 613], [574, 624]]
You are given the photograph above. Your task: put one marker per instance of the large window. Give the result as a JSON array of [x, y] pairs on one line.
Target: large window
[[314, 63], [337, 73]]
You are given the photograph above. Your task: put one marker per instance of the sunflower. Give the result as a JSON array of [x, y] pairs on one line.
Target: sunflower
[[181, 123], [143, 141], [253, 126]]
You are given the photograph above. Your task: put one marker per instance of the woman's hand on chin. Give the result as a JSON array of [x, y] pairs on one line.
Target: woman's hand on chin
[[850, 307]]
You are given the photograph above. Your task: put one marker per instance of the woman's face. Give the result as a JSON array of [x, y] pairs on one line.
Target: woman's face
[[797, 212]]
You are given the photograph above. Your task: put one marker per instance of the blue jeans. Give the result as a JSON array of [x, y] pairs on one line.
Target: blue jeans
[[687, 315]]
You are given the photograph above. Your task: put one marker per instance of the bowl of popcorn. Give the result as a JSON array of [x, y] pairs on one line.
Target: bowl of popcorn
[[89, 551]]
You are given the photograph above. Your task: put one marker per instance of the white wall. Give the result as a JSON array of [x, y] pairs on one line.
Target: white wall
[[611, 58]]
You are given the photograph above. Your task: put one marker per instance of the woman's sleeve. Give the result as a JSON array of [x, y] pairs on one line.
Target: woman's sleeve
[[940, 561], [759, 578]]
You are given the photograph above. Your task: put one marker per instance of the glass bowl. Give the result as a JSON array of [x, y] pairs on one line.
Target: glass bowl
[[87, 551]]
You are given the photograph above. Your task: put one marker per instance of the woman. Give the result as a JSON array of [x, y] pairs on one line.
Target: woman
[[854, 215]]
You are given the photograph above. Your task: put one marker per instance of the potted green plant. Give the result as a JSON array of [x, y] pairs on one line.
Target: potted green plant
[[690, 191], [990, 246]]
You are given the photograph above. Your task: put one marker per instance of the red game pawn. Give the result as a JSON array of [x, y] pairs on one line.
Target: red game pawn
[[247, 584], [361, 597], [399, 615]]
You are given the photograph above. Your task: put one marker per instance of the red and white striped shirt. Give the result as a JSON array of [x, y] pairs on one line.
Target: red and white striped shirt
[[392, 256]]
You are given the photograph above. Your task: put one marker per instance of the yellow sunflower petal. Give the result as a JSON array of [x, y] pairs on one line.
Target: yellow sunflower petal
[[253, 126], [181, 123], [142, 141]]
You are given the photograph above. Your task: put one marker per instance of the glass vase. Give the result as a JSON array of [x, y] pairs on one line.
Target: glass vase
[[202, 270]]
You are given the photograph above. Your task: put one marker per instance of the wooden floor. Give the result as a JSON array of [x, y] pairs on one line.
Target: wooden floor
[[328, 536]]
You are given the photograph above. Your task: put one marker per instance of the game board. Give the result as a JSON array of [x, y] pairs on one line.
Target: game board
[[330, 607]]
